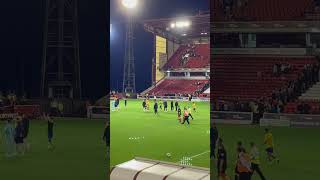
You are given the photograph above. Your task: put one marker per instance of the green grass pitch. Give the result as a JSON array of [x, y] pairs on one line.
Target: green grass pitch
[[155, 135], [79, 153], [297, 148]]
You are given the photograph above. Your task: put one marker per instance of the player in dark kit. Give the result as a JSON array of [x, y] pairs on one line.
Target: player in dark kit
[[117, 104], [144, 105], [222, 159], [19, 134], [171, 105], [214, 135], [155, 107], [106, 137], [179, 114], [165, 105], [125, 102], [50, 130], [176, 104], [25, 124]]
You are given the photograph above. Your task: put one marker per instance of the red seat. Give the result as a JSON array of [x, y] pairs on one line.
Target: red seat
[[237, 77], [178, 86]]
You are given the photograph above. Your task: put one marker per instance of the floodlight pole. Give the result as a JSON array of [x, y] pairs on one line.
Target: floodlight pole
[[129, 77], [61, 63]]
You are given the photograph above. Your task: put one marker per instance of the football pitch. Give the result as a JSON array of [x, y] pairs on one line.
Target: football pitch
[[297, 148], [135, 133], [79, 153]]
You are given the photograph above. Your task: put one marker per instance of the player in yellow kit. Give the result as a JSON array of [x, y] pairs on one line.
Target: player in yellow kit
[[268, 141], [148, 104]]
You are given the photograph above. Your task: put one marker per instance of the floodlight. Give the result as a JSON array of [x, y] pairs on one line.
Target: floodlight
[[180, 24], [130, 4]]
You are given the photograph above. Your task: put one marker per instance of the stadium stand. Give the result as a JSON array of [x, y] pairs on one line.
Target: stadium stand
[[190, 56], [181, 65], [253, 76], [312, 94], [253, 42], [178, 86]]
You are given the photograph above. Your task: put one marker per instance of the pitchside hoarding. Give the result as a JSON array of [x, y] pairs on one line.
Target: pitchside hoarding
[[8, 116], [296, 120], [97, 112], [225, 117], [305, 121]]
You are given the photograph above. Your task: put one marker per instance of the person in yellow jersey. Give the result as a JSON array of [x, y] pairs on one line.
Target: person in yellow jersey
[[194, 106], [255, 160], [268, 141], [148, 104]]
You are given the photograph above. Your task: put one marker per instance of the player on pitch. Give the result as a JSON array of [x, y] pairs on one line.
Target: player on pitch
[[155, 107], [179, 115], [222, 161], [9, 142], [50, 122], [106, 137], [255, 160], [268, 141], [186, 116]]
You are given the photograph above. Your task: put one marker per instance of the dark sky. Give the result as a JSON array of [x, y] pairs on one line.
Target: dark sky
[[21, 46], [144, 45]]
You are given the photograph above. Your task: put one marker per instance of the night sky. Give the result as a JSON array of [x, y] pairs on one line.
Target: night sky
[[21, 43], [143, 44]]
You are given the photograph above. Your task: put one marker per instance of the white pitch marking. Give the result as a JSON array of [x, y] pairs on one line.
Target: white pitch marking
[[186, 160], [200, 154]]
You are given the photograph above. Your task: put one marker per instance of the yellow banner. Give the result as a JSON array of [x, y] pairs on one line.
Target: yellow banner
[[161, 56]]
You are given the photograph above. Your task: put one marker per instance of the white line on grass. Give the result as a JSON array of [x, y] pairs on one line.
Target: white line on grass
[[186, 160], [200, 154]]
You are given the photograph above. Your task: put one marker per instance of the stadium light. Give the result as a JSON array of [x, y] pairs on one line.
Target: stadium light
[[129, 4], [180, 24]]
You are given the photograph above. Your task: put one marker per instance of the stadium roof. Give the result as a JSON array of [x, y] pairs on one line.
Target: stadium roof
[[199, 26]]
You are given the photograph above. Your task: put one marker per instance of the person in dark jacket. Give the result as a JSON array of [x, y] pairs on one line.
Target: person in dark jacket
[[106, 137], [214, 135]]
